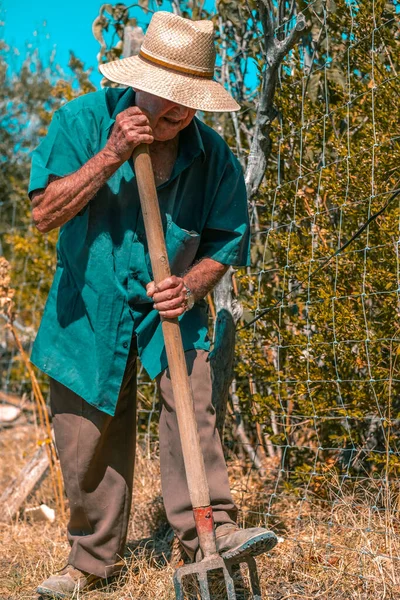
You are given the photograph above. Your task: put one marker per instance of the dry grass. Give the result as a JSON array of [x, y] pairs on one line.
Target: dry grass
[[344, 551]]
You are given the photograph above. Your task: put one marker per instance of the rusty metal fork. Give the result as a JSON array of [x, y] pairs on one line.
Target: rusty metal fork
[[203, 568], [191, 450]]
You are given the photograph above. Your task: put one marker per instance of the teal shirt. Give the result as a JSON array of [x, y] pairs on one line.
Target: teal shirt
[[98, 296]]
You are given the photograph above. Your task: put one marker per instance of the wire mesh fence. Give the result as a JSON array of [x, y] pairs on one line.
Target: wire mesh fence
[[314, 410], [319, 366]]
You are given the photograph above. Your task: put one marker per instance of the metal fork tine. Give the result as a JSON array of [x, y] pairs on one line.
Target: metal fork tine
[[179, 593], [254, 580], [217, 563], [230, 584], [203, 583]]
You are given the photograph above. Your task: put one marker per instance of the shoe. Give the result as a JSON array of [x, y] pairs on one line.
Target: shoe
[[233, 542], [67, 583]]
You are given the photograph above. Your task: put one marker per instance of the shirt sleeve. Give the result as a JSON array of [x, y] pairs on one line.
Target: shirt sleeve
[[62, 152], [226, 235]]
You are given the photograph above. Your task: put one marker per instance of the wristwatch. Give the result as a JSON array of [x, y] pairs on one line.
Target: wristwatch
[[189, 300]]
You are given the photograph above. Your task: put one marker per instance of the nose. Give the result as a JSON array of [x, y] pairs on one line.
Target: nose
[[177, 110]]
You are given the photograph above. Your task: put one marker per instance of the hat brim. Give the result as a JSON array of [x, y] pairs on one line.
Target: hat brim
[[189, 90]]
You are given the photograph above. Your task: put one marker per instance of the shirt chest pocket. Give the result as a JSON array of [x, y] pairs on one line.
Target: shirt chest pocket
[[182, 246]]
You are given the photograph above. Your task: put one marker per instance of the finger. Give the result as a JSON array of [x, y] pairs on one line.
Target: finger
[[136, 120], [150, 289], [172, 314], [142, 130], [169, 282], [132, 122], [136, 139], [140, 120], [170, 304], [169, 294], [135, 129], [146, 139], [130, 112]]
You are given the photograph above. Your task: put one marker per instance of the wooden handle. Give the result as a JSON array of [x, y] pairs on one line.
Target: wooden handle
[[192, 455]]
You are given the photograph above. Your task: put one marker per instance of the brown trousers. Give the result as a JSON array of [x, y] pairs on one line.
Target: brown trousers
[[97, 455]]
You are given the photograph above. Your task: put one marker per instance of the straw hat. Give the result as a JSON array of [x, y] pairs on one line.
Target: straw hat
[[176, 62]]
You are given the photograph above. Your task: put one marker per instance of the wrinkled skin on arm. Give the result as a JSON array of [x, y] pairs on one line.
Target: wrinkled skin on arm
[[62, 199], [154, 121]]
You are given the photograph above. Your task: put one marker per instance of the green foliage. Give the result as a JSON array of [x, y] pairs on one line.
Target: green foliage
[[325, 359], [28, 98]]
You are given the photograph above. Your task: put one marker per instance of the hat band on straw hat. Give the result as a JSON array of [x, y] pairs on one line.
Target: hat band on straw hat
[[176, 62], [174, 67]]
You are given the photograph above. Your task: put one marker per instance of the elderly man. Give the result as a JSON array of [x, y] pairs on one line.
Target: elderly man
[[103, 308]]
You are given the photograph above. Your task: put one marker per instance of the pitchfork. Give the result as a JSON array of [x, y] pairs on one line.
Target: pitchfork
[[192, 455]]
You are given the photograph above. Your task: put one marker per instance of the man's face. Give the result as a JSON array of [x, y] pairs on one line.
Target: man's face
[[166, 118]]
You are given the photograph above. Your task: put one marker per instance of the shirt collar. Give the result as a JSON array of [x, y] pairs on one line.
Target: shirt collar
[[190, 142]]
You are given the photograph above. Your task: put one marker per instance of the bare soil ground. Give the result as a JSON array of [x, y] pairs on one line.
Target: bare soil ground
[[349, 552]]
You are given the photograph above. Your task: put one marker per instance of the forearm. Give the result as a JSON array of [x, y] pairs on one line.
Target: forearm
[[64, 198], [204, 276]]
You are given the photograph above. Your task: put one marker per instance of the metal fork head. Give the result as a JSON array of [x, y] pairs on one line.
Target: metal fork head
[[216, 563], [201, 570]]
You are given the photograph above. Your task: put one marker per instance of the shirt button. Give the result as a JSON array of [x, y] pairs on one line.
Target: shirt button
[[125, 344]]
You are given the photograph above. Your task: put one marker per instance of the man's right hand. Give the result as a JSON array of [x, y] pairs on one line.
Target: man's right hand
[[131, 128], [64, 198]]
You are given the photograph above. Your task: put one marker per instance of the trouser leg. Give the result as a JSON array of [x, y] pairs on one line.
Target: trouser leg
[[173, 478], [97, 454]]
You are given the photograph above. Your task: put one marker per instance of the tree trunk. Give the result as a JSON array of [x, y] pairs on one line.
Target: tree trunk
[[228, 312], [222, 356]]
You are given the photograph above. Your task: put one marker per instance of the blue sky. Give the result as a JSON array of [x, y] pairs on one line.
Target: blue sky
[[66, 25]]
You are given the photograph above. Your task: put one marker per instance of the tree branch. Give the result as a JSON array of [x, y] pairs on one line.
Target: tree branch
[[291, 10], [294, 36], [266, 11], [222, 356], [176, 9], [228, 312], [281, 13], [260, 148], [240, 433]]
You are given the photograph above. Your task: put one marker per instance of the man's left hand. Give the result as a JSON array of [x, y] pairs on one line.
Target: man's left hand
[[169, 296]]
